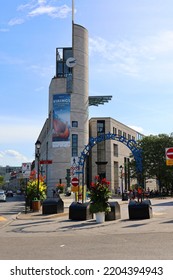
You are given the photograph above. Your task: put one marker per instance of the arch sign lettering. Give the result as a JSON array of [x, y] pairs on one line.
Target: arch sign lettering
[[131, 144]]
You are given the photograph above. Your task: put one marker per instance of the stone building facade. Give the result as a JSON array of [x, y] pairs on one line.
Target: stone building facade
[[66, 129], [110, 158]]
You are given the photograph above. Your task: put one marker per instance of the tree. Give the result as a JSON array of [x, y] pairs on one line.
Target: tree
[[154, 161], [1, 180]]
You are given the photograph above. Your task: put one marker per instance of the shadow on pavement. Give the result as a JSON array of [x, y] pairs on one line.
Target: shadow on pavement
[[134, 225], [170, 203], [32, 223], [168, 222]]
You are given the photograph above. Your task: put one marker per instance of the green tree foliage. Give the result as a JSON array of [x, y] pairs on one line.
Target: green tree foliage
[[1, 180], [154, 160]]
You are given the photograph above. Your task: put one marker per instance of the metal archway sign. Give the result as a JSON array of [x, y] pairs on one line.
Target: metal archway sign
[[131, 144]]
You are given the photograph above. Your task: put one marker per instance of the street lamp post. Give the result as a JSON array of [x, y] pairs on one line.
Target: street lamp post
[[37, 155], [121, 176]]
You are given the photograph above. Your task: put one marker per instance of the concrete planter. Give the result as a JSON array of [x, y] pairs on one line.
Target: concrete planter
[[115, 213], [79, 211], [52, 206], [140, 210]]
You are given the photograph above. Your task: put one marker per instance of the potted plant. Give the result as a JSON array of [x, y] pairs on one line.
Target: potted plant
[[32, 190], [99, 196], [60, 187]]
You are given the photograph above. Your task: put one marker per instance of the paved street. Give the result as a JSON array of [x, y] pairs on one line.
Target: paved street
[[34, 236], [10, 209]]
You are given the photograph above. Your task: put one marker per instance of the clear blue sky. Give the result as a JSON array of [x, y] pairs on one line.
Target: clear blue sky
[[131, 58]]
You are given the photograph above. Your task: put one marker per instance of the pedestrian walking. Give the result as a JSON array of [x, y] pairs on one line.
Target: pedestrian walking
[[139, 194]]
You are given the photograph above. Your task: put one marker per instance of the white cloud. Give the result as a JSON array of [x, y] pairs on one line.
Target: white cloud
[[137, 128], [17, 134], [42, 70], [32, 4], [54, 12], [142, 130], [12, 158], [13, 154], [16, 21], [27, 6], [161, 43], [41, 2], [38, 8], [145, 58], [120, 56]]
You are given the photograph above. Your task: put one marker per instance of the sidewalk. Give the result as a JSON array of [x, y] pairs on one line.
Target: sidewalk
[[30, 215]]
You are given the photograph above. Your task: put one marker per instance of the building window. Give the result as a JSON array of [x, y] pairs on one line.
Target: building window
[[74, 124], [62, 54], [133, 137], [115, 147], [116, 177], [124, 134], [100, 127], [119, 132], [114, 130], [74, 145], [129, 136], [101, 145], [139, 136]]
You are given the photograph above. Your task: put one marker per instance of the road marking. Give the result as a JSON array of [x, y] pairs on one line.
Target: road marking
[[2, 219]]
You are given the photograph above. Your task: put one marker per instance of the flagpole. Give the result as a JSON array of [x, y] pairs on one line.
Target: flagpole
[[72, 11]]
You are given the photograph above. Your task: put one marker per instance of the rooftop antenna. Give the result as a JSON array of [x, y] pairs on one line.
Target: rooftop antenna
[[72, 11], [72, 21]]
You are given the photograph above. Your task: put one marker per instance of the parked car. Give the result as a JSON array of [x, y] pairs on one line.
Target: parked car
[[9, 193], [2, 196]]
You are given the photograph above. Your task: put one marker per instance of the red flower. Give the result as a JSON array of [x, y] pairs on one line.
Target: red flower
[[104, 181], [96, 177], [99, 195], [92, 185]]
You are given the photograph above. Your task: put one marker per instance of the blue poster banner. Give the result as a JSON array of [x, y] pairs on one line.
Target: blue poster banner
[[61, 120]]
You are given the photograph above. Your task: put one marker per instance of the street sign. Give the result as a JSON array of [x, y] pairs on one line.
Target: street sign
[[26, 169], [74, 189], [169, 162], [75, 181], [48, 161], [78, 172], [169, 156], [169, 153]]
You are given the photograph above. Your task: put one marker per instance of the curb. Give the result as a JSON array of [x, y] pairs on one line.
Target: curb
[[10, 221], [39, 216]]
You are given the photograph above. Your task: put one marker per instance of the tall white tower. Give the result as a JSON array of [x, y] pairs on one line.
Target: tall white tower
[[67, 125]]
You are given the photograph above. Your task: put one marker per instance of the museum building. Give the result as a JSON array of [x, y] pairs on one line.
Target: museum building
[[67, 129]]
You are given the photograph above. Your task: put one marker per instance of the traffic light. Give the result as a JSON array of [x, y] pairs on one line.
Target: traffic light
[[68, 178]]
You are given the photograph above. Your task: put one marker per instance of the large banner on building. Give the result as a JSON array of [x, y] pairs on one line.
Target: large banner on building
[[61, 120]]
